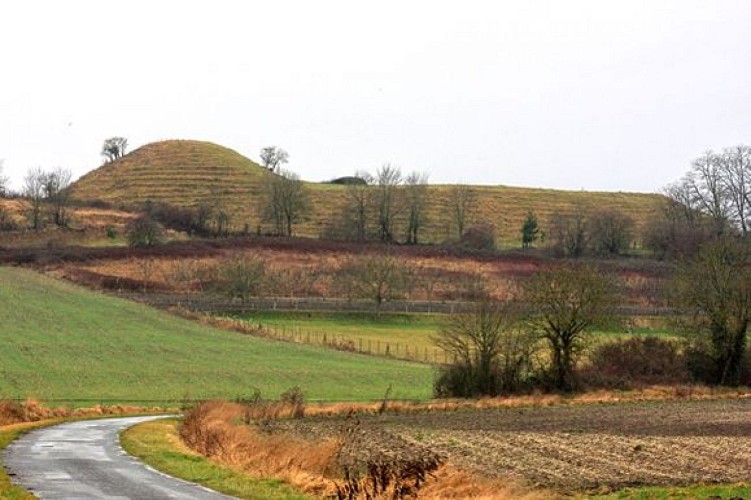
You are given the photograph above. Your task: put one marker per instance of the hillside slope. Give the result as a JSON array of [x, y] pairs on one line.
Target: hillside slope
[[61, 341], [187, 173]]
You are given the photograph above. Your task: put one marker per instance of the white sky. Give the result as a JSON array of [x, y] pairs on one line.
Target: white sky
[[606, 95]]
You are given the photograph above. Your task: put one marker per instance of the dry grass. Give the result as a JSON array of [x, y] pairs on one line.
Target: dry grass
[[216, 430], [212, 429], [303, 270], [653, 393], [316, 467], [30, 410], [187, 173]]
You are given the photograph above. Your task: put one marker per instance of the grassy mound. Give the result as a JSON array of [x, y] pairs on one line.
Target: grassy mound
[[59, 341], [187, 173]]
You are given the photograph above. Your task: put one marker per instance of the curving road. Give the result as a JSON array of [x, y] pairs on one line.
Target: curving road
[[84, 460]]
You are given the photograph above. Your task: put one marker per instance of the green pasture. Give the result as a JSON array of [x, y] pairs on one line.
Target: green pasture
[[59, 341], [408, 336]]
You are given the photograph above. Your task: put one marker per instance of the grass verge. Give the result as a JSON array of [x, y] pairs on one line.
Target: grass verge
[[712, 491], [157, 443]]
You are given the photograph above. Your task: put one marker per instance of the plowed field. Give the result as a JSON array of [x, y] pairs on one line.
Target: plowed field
[[587, 447]]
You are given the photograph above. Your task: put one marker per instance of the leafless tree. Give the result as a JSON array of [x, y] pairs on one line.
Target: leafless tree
[[359, 199], [570, 233], [379, 278], [735, 173], [610, 232], [241, 276], [565, 303], [462, 206], [713, 290], [144, 232], [3, 181], [386, 198], [114, 148], [490, 350], [33, 191], [273, 157], [709, 191], [416, 195], [56, 193], [285, 201]]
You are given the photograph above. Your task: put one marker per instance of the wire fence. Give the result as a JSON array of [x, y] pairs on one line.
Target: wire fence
[[372, 347], [218, 304]]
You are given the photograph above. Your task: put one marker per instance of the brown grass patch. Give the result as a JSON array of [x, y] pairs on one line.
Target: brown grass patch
[[30, 410], [349, 465]]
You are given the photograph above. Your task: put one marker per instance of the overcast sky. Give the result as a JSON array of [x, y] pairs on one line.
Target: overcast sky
[[599, 95]]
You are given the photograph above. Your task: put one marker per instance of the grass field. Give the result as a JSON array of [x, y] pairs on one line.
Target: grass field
[[187, 173], [407, 336], [59, 341]]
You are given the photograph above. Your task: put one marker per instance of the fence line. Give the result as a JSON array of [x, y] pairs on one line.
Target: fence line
[[217, 304], [377, 347]]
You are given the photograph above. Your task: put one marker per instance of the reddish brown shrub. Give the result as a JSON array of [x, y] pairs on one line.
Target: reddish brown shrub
[[636, 362]]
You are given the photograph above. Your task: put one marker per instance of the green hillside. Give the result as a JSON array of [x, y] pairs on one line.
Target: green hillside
[[60, 341], [187, 173]]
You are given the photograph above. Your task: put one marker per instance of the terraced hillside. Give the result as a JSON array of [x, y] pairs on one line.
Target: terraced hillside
[[187, 173]]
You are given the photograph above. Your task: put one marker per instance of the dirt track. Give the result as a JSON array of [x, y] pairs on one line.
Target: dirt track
[[583, 447]]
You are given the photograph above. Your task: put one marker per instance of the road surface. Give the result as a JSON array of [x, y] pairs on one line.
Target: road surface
[[84, 459]]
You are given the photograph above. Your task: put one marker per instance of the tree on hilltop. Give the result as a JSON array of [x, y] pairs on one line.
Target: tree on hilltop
[[114, 148], [273, 157]]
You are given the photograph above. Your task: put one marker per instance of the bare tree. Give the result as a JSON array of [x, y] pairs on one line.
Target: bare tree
[[359, 196], [285, 201], [565, 303], [3, 181], [416, 195], [713, 290], [33, 191], [56, 193], [114, 148], [273, 157], [462, 206], [735, 171], [491, 353], [386, 198], [144, 232], [379, 278], [241, 276], [570, 233], [679, 228], [610, 232], [709, 191]]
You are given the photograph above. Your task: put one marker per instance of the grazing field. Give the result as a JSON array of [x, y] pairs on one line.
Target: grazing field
[[59, 341], [188, 173], [595, 448], [406, 336]]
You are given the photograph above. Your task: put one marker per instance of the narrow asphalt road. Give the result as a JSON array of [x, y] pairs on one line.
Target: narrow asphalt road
[[84, 459]]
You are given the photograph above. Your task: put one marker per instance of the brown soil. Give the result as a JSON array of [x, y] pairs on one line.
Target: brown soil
[[575, 448]]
